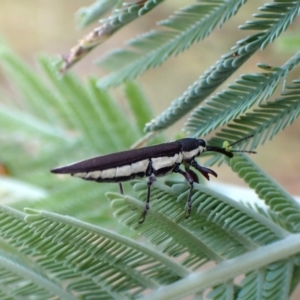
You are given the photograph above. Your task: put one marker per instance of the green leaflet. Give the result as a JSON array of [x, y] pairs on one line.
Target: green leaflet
[[62, 120], [186, 27], [278, 200], [230, 106], [271, 26]]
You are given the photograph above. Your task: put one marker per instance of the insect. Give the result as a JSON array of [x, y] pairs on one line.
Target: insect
[[151, 162]]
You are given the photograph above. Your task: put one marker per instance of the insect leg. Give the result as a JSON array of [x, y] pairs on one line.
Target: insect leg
[[150, 181], [192, 173], [121, 188], [190, 181], [204, 171]]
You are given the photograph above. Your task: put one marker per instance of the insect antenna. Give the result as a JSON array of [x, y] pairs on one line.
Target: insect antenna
[[228, 148]]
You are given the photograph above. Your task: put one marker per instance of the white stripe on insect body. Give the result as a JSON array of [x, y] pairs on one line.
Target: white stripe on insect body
[[163, 162], [178, 158], [140, 166], [109, 173], [187, 155], [123, 171], [91, 175]]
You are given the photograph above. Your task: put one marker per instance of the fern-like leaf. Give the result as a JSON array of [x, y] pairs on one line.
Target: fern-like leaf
[[247, 91], [187, 26], [98, 261], [62, 116], [268, 119], [20, 281], [275, 197], [274, 278], [224, 228], [273, 23], [119, 18]]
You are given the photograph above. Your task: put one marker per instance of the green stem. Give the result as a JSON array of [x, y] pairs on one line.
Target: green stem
[[229, 269]]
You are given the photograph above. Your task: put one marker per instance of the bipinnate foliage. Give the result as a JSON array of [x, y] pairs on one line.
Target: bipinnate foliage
[[60, 247]]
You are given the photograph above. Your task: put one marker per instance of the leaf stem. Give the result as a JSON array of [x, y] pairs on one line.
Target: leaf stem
[[230, 269]]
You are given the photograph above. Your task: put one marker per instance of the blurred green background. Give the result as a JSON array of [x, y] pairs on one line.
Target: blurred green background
[[32, 27]]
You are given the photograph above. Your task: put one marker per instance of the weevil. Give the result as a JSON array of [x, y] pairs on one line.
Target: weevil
[[151, 162]]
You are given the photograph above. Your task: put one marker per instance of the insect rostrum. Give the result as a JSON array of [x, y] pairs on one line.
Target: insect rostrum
[[152, 161]]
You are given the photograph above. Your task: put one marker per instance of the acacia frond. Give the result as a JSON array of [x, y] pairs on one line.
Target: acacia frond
[[77, 259], [224, 227], [267, 120], [273, 23], [265, 211], [270, 282], [61, 121], [190, 251], [250, 89], [20, 280], [275, 197], [239, 226], [19, 276], [77, 255], [187, 26], [119, 18]]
